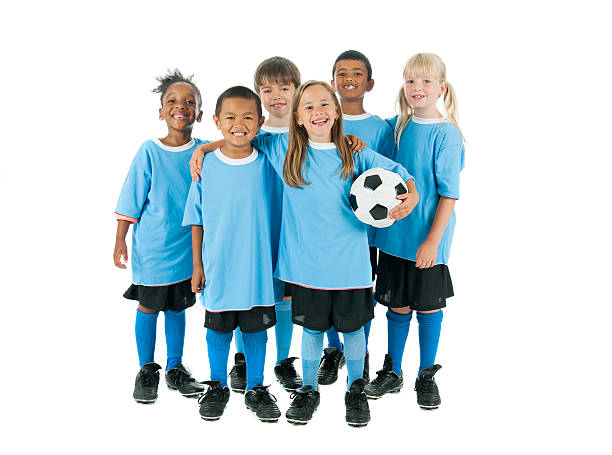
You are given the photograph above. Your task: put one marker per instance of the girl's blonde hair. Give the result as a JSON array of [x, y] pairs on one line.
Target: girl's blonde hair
[[297, 153], [425, 65]]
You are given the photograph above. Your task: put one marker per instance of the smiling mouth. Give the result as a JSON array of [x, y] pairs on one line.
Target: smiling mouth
[[179, 116], [278, 105], [319, 122], [349, 87], [238, 133], [418, 97]]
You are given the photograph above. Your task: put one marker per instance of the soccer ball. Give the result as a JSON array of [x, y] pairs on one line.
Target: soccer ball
[[373, 195]]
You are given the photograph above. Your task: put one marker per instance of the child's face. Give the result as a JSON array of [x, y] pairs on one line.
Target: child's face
[[351, 79], [238, 121], [423, 92], [317, 113], [276, 98], [179, 107]]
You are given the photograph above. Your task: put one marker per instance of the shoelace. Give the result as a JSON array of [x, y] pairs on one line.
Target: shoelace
[[147, 379], [264, 397], [381, 376], [299, 399], [354, 399], [211, 392], [426, 384]]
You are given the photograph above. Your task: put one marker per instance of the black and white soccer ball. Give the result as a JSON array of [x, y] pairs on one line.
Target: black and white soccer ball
[[373, 195]]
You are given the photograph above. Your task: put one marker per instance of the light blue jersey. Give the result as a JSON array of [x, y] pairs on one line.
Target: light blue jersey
[[153, 197], [378, 136], [237, 201], [432, 150], [323, 245]]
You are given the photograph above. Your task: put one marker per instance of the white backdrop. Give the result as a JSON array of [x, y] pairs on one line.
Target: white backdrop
[[525, 345]]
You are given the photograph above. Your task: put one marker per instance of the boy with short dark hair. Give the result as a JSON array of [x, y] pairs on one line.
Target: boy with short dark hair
[[352, 79], [275, 80], [235, 211]]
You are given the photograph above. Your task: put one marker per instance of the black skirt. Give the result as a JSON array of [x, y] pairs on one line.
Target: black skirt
[[319, 309], [400, 284], [254, 320], [174, 297]]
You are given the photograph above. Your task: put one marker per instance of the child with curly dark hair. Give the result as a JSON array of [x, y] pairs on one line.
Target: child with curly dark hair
[[152, 201]]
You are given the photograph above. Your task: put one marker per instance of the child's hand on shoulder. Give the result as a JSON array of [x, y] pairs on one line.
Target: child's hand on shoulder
[[197, 158], [120, 250], [197, 280], [426, 254], [355, 143]]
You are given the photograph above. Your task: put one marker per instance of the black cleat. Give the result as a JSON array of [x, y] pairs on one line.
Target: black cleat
[[147, 380], [386, 381], [366, 368], [287, 376], [428, 396], [356, 402], [213, 402], [179, 378], [238, 374], [262, 403], [331, 362], [305, 402]]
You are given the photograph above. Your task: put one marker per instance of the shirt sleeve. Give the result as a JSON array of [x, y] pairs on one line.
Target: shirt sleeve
[[136, 188], [193, 207], [368, 159], [274, 146], [449, 156], [386, 143]]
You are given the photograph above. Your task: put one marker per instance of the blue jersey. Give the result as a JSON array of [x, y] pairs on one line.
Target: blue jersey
[[323, 245], [432, 150], [237, 201], [378, 136], [153, 197], [273, 129]]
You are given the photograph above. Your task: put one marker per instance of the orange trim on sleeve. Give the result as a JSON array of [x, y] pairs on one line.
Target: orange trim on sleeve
[[119, 216]]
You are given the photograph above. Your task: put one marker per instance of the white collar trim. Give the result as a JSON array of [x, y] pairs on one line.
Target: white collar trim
[[237, 161], [428, 121], [356, 117], [275, 129], [181, 148], [321, 145]]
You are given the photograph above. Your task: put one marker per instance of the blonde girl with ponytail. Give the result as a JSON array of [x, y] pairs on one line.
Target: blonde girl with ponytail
[[413, 270]]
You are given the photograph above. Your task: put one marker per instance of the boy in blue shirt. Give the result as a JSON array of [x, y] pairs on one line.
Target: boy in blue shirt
[[151, 199], [235, 210], [275, 81], [352, 79]]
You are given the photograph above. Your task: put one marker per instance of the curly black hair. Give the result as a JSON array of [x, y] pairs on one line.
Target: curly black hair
[[172, 77], [354, 55]]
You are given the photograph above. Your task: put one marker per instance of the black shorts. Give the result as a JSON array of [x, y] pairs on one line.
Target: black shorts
[[287, 290], [319, 309], [254, 320], [373, 260], [175, 297], [400, 283]]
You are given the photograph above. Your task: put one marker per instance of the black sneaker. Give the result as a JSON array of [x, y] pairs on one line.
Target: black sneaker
[[386, 381], [305, 402], [366, 368], [287, 376], [179, 378], [213, 402], [426, 388], [356, 402], [331, 362], [238, 374], [147, 380], [262, 403]]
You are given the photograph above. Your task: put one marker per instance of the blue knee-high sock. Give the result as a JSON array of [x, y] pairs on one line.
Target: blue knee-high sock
[[397, 328], [175, 337], [430, 325], [312, 349], [146, 330], [333, 339], [354, 351], [238, 340], [218, 344], [255, 356], [283, 330]]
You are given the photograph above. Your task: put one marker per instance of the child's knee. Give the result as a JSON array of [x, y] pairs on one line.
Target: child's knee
[[402, 310], [146, 310]]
